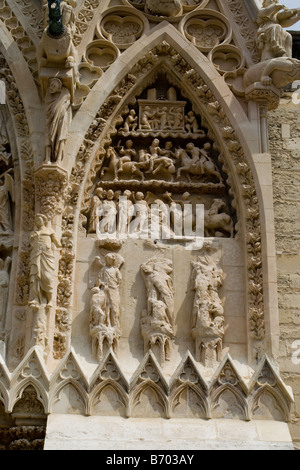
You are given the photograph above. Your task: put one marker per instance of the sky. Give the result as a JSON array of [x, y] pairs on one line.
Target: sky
[[293, 4]]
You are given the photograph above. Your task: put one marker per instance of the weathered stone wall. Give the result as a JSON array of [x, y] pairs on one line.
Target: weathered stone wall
[[285, 149]]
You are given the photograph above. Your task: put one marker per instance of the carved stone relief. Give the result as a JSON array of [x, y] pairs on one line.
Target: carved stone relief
[[208, 311], [105, 305], [109, 185], [170, 9], [42, 269], [160, 139], [161, 149], [157, 320]]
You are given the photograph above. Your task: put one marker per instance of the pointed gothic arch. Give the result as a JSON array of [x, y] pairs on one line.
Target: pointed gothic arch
[[227, 124]]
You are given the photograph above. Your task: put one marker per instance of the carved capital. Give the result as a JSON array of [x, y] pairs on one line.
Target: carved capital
[[268, 95], [50, 185]]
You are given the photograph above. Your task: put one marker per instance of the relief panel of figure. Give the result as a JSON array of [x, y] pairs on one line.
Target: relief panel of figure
[[208, 312], [58, 119], [105, 305], [42, 263], [42, 271], [157, 321]]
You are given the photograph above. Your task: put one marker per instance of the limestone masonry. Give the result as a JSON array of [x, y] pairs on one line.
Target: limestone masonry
[[149, 225]]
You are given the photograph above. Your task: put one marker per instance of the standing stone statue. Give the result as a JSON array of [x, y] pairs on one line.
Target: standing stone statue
[[100, 331], [42, 262], [208, 312], [58, 119], [107, 213], [157, 321], [95, 209], [105, 305], [42, 268], [56, 48]]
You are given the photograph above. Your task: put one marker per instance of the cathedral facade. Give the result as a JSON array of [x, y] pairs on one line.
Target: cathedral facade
[[149, 243]]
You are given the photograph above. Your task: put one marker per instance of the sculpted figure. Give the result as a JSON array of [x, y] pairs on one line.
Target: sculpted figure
[[191, 123], [56, 47], [127, 164], [58, 119], [158, 159], [208, 313], [127, 154], [101, 332], [109, 280], [216, 223], [162, 114], [139, 224], [113, 165], [107, 215], [126, 211], [176, 118], [146, 119], [273, 40], [42, 269], [176, 210], [95, 210], [157, 321], [131, 122], [160, 220], [42, 262], [4, 283], [154, 154], [6, 192]]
